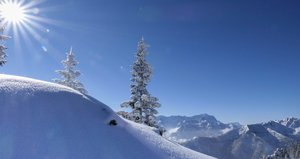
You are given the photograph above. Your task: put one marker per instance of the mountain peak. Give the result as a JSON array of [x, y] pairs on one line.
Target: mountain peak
[[257, 129], [290, 122], [182, 128], [204, 117]]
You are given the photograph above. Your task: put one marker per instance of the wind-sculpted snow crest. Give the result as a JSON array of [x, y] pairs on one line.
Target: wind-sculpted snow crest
[[45, 120]]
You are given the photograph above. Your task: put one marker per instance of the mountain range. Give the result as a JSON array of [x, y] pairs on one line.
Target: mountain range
[[204, 133], [183, 128]]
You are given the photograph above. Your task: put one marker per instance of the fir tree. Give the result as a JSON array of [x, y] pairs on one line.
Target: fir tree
[[2, 47], [69, 74], [143, 105]]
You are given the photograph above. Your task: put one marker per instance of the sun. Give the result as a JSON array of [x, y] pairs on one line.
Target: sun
[[12, 12], [23, 21]]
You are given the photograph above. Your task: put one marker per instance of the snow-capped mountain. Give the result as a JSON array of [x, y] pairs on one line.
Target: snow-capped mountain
[[44, 120], [290, 122], [248, 142], [183, 128]]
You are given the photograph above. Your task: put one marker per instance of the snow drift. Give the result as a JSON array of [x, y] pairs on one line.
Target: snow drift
[[41, 120]]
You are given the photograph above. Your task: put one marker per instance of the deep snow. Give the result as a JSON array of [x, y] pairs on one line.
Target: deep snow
[[42, 120]]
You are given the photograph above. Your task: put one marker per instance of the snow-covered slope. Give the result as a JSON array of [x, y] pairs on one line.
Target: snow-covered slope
[[41, 120], [249, 142], [183, 128]]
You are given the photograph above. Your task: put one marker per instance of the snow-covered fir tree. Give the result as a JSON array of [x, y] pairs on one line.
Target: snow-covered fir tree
[[69, 74], [2, 47], [143, 105]]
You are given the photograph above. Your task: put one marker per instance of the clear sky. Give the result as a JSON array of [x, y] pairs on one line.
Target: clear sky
[[236, 60]]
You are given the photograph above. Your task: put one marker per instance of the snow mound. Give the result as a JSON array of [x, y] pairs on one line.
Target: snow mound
[[44, 120]]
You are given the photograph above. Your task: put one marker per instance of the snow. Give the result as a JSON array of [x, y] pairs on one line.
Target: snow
[[170, 132], [226, 130], [44, 120], [174, 130], [297, 131], [2, 47], [143, 104], [164, 146], [182, 128], [69, 74], [277, 135], [249, 141], [290, 122]]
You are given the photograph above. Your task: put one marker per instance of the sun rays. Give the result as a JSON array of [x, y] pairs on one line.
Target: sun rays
[[24, 22]]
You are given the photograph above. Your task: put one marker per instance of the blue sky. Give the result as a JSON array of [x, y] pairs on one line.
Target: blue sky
[[236, 60]]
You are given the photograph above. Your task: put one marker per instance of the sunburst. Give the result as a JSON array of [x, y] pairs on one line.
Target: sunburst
[[23, 21], [12, 12]]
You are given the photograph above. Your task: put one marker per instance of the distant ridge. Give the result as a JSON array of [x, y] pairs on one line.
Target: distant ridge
[[204, 133]]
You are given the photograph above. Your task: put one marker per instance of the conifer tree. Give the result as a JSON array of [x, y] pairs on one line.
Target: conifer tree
[[69, 74], [143, 105], [2, 47]]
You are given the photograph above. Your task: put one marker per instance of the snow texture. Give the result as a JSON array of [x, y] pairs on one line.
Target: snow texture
[[2, 47], [42, 120]]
